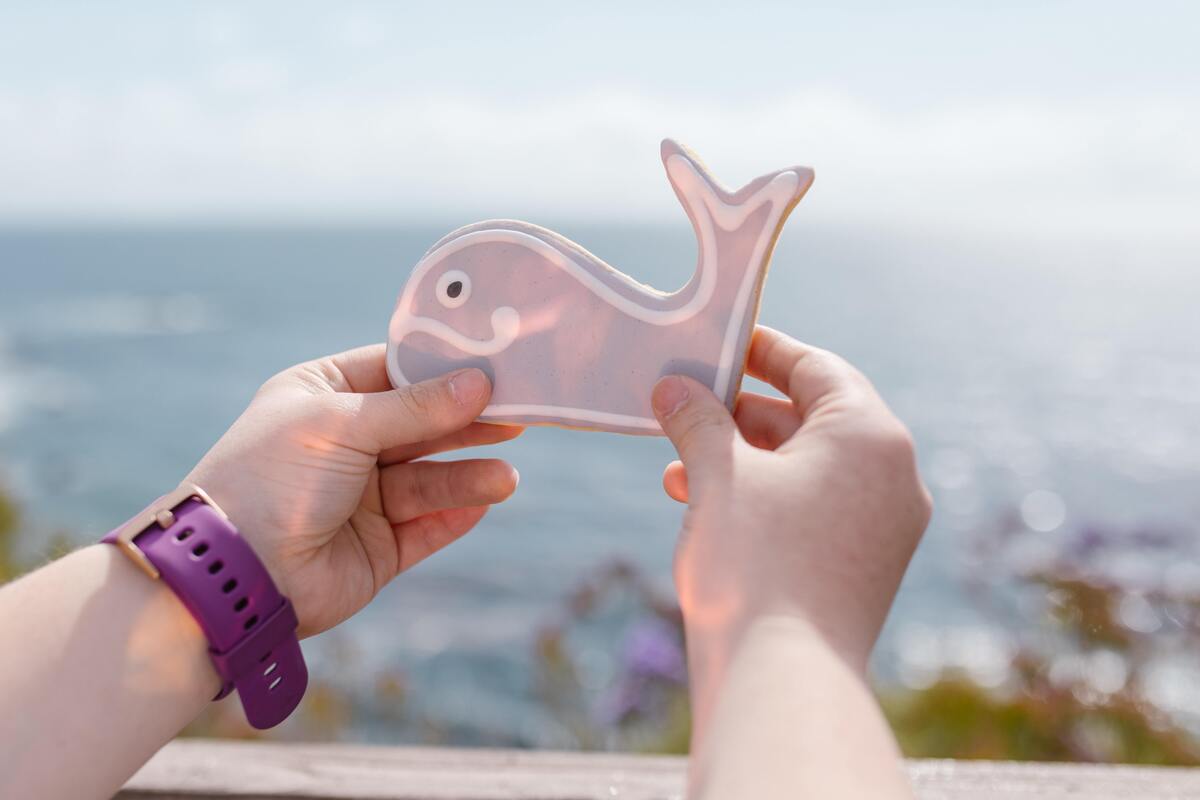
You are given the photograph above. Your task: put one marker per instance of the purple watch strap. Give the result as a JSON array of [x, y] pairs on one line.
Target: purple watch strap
[[251, 627]]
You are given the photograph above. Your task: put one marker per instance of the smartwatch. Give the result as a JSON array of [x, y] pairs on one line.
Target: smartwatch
[[185, 540]]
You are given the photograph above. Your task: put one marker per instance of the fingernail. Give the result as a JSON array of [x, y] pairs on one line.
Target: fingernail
[[669, 396], [468, 386], [516, 477]]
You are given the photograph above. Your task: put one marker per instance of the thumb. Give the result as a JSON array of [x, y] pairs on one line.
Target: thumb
[[423, 411], [696, 422]]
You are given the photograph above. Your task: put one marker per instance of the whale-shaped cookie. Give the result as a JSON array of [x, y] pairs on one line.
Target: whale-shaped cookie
[[568, 340]]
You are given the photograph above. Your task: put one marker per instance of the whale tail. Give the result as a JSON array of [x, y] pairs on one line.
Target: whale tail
[[736, 233], [700, 193]]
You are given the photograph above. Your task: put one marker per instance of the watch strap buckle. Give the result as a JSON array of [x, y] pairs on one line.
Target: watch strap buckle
[[162, 513]]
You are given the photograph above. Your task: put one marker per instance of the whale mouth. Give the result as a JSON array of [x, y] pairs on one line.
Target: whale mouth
[[506, 325]]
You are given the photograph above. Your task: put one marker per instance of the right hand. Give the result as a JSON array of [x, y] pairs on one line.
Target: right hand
[[326, 476], [807, 508]]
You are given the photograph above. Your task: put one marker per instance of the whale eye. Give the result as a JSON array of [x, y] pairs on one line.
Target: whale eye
[[453, 288]]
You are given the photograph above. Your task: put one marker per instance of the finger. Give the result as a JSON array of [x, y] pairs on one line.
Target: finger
[[413, 490], [419, 412], [360, 370], [808, 375], [675, 481], [363, 369], [766, 422], [420, 538], [696, 422], [477, 434]]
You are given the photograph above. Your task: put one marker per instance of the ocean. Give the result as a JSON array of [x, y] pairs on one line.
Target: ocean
[[1053, 383]]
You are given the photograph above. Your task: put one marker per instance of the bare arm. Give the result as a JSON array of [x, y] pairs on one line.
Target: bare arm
[[100, 665], [803, 513], [787, 717]]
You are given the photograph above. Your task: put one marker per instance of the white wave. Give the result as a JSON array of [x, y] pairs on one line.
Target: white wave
[[25, 388], [124, 314]]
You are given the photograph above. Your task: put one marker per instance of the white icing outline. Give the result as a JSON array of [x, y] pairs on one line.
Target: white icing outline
[[506, 325], [701, 198], [741, 303], [580, 415], [449, 277]]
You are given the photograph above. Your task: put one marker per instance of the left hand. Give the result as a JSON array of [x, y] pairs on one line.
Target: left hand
[[320, 476], [805, 508]]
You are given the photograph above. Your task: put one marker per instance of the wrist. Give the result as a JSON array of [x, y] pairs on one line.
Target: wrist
[[186, 542], [167, 647], [717, 641], [243, 513]]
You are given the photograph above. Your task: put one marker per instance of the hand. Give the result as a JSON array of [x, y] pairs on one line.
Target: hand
[[806, 509], [319, 474]]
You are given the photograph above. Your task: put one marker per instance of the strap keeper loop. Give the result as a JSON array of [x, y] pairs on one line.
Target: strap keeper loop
[[255, 647]]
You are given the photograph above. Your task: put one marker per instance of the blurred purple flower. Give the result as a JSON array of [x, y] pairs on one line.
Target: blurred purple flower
[[652, 655], [1089, 540], [653, 650], [621, 701], [1161, 538]]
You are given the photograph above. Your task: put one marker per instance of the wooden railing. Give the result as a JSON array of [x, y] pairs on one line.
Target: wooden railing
[[193, 769]]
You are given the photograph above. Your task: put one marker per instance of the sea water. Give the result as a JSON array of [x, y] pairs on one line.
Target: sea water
[[1056, 383]]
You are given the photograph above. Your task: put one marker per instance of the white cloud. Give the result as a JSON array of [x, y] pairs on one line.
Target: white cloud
[[250, 75], [244, 149], [221, 28], [358, 30]]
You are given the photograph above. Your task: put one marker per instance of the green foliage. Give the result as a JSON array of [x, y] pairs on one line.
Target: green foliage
[[956, 718], [1088, 643], [8, 535], [11, 565]]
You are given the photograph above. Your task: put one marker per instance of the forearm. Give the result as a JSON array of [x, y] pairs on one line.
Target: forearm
[[101, 667], [780, 714]]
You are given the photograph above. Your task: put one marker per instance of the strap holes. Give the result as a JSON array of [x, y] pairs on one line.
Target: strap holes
[[229, 586], [250, 623], [216, 567], [241, 604], [183, 534], [270, 669], [200, 549], [275, 683], [265, 657]]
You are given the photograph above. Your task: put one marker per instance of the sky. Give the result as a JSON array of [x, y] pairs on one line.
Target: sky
[[1038, 118]]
